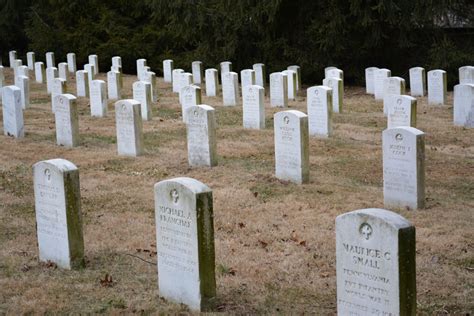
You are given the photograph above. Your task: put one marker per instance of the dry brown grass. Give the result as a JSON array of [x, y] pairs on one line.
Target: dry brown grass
[[274, 241]]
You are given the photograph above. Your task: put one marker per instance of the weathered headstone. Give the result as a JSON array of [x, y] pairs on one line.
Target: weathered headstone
[[297, 70], [247, 77], [12, 58], [82, 83], [326, 70], [291, 80], [21, 71], [90, 69], [141, 64], [185, 243], [16, 65], [24, 85], [417, 81], [369, 79], [40, 73], [230, 88], [201, 135], [116, 64], [226, 66], [168, 70], [142, 94], [94, 61], [253, 107], [319, 102], [466, 75], [58, 213], [437, 87], [114, 90], [13, 124], [71, 63], [67, 122], [197, 71], [211, 82], [464, 105], [375, 263], [30, 60], [392, 85], [379, 76], [335, 73], [129, 128], [278, 89], [51, 74], [403, 167], [190, 96], [98, 98], [150, 77], [401, 111], [260, 74], [50, 63], [336, 85], [176, 79], [291, 146], [59, 87], [62, 71], [185, 79]]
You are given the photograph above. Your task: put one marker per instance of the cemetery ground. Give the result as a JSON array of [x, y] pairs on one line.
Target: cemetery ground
[[275, 241]]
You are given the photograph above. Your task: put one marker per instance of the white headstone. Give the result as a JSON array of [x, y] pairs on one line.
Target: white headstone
[[417, 82], [466, 75], [12, 112], [67, 122], [291, 146], [94, 61], [230, 88], [190, 96], [51, 74], [247, 77], [327, 69], [197, 72], [141, 64], [403, 167], [185, 79], [16, 65], [319, 102], [59, 87], [226, 66], [168, 70], [40, 73], [116, 63], [464, 105], [379, 76], [24, 85], [82, 83], [129, 128], [392, 85], [150, 77], [260, 74], [142, 94], [335, 73], [176, 80], [185, 243], [12, 57], [71, 63], [30, 60], [291, 79], [98, 98], [58, 213], [278, 89], [437, 87], [114, 91], [62, 70], [50, 60], [369, 79], [253, 107], [296, 69], [337, 89], [401, 111], [201, 135], [211, 82], [90, 69], [375, 263]]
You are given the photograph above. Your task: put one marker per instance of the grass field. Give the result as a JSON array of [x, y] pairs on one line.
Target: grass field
[[275, 241]]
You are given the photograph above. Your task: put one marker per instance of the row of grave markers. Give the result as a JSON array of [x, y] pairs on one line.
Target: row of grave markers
[[375, 248]]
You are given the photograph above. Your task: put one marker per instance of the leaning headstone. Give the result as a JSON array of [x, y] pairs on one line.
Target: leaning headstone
[[59, 87], [94, 61], [13, 124], [211, 82], [82, 83], [296, 69], [319, 102], [58, 213], [375, 263], [12, 58], [116, 64], [230, 88], [291, 146], [185, 243], [150, 77], [291, 79], [197, 72], [278, 89], [466, 75], [51, 74], [403, 167], [71, 63], [253, 107], [141, 64], [190, 96], [142, 94], [401, 111], [129, 128], [379, 76], [98, 98], [369, 79], [62, 70], [176, 80], [90, 69], [24, 85], [417, 81], [50, 60], [168, 70], [260, 74], [247, 77], [66, 119], [392, 85], [437, 87], [337, 89], [30, 60], [113, 85], [201, 135], [40, 73], [464, 105]]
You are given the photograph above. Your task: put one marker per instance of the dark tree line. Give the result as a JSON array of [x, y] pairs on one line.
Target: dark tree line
[[351, 34]]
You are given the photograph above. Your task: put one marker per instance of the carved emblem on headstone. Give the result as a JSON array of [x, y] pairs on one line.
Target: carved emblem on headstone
[[286, 119], [365, 230], [174, 196]]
